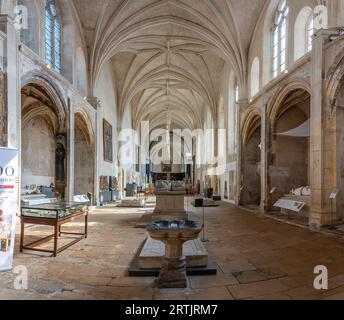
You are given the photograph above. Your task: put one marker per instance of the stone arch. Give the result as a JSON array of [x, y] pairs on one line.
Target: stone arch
[[250, 121], [281, 93], [335, 93], [334, 78], [86, 123], [84, 154], [250, 194], [47, 85], [289, 143], [43, 141]]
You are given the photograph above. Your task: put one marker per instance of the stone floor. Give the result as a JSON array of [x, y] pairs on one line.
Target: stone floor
[[257, 258]]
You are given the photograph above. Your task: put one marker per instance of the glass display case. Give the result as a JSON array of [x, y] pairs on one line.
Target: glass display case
[[55, 214], [54, 210]]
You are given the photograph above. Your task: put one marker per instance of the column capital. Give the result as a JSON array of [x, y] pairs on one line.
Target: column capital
[[5, 22], [93, 101]]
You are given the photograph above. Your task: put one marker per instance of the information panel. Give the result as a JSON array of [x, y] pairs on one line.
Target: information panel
[[8, 205], [292, 205]]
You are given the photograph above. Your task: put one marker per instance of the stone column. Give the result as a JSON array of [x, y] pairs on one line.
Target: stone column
[[94, 102], [11, 112], [71, 153], [241, 106], [10, 104], [173, 268], [322, 162], [3, 111], [264, 161]]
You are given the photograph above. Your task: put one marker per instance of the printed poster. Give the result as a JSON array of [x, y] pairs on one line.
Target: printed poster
[[8, 205]]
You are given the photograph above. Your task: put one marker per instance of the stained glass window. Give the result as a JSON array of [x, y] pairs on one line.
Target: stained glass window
[[52, 35]]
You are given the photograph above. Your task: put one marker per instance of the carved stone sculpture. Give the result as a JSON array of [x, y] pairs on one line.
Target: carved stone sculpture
[[59, 163], [178, 186], [104, 183], [163, 186]]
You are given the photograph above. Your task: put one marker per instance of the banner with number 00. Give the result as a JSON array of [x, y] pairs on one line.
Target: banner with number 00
[[9, 176]]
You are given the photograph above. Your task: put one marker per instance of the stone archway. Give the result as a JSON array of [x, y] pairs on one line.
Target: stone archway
[[83, 156], [289, 166], [339, 146], [43, 143], [250, 191]]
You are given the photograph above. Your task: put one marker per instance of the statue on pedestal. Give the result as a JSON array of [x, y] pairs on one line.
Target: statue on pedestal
[[59, 163], [60, 172]]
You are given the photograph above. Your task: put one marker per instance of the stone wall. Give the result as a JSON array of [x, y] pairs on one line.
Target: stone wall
[[105, 92], [250, 194], [290, 155], [83, 165], [38, 153]]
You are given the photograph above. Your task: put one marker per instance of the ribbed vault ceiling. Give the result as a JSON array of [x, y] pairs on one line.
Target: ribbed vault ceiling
[[168, 56]]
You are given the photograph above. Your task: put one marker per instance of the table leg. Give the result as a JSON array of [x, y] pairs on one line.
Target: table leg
[[55, 239], [59, 230], [22, 225], [86, 225]]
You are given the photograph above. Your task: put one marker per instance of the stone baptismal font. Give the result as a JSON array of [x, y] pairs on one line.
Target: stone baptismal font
[[173, 234], [173, 244]]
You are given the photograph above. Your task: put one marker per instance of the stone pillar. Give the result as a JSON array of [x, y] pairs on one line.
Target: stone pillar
[[264, 161], [94, 102], [241, 107], [10, 104], [10, 114], [173, 268], [96, 156], [3, 111], [71, 154], [322, 162]]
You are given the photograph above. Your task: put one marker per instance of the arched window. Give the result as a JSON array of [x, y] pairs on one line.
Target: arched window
[[52, 35], [232, 113], [255, 77], [310, 32], [81, 73], [26, 21], [303, 32], [279, 38]]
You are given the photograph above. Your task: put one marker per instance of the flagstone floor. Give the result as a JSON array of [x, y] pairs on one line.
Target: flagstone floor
[[257, 258]]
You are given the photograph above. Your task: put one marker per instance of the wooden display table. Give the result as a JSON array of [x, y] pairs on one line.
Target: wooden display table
[[54, 215]]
